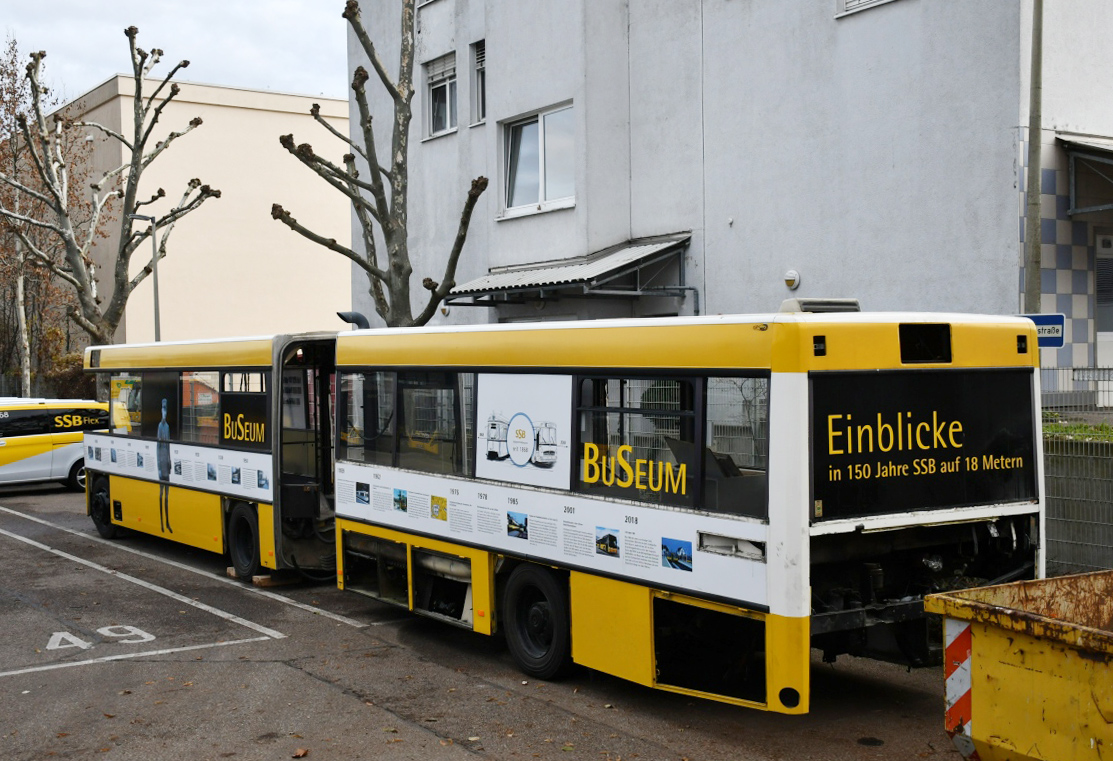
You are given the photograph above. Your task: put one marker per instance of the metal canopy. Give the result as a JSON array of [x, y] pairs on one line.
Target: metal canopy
[[1095, 154], [630, 270]]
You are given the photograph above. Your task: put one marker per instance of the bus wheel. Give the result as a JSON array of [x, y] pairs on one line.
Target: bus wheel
[[76, 479], [100, 510], [537, 630], [243, 541]]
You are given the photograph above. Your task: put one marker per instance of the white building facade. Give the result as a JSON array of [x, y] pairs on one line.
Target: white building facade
[[654, 157]]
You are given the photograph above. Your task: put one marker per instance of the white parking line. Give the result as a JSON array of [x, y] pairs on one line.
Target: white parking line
[[265, 631], [206, 574], [108, 658]]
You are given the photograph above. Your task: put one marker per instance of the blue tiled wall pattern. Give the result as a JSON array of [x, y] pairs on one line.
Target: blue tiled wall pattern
[[1067, 272]]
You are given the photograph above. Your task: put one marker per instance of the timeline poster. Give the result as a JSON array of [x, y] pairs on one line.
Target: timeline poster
[[522, 429]]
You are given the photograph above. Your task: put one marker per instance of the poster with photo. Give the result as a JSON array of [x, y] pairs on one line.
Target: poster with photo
[[522, 429]]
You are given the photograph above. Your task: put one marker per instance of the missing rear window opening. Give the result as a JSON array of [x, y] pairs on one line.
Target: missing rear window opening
[[925, 342]]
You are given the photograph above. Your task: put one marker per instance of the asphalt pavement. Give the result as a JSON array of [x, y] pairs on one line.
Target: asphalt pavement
[[139, 649]]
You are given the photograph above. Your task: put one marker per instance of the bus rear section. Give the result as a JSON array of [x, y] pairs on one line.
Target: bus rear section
[[926, 475], [684, 503]]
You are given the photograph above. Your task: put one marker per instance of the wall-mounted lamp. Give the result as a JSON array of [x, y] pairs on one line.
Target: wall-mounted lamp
[[792, 280]]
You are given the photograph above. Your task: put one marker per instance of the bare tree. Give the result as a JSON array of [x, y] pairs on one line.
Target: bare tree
[[32, 316], [381, 199], [45, 137]]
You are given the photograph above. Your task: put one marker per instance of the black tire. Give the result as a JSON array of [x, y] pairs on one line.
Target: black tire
[[243, 541], [100, 509], [76, 479], [536, 621]]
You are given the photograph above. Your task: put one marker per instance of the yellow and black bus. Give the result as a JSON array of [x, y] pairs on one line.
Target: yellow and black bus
[[40, 439], [717, 495], [725, 494], [227, 448]]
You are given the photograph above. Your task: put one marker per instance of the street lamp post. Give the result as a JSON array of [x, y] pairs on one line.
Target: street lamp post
[[154, 262]]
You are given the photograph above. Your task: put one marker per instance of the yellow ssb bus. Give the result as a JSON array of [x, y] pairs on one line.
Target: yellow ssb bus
[[719, 495], [222, 445]]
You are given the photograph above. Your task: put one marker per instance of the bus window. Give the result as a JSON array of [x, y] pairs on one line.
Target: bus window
[[243, 416], [431, 417], [638, 439], [366, 427], [200, 407], [125, 391], [159, 412], [737, 434]]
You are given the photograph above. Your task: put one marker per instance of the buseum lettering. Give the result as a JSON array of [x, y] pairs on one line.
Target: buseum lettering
[[239, 429], [903, 434], [621, 471]]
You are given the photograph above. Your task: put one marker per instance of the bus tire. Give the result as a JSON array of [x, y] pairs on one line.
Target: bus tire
[[76, 479], [100, 509], [537, 621], [243, 541]]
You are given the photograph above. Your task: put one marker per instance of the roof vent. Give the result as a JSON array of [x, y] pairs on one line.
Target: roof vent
[[820, 305]]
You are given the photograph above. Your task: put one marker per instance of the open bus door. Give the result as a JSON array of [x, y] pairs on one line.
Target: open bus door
[[305, 496]]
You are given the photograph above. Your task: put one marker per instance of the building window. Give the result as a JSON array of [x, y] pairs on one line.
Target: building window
[[539, 160], [479, 85], [843, 7], [440, 77]]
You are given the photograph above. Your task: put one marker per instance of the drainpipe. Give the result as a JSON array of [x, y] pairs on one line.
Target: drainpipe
[[1032, 232]]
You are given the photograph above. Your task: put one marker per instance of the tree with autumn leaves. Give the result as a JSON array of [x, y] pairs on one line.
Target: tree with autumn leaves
[[44, 208]]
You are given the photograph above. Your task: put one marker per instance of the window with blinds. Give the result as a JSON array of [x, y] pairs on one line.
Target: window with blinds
[[1103, 294], [440, 80], [479, 81]]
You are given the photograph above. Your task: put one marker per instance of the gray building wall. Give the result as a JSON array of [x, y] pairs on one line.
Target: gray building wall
[[878, 153]]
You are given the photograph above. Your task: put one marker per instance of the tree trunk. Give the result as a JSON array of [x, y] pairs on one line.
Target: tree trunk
[[21, 314]]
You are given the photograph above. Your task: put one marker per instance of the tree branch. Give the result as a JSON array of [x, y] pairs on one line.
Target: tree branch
[[164, 144], [7, 214], [283, 216], [448, 282], [315, 112], [338, 178], [355, 20], [105, 130]]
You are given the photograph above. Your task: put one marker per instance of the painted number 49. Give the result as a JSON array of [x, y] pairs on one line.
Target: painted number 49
[[128, 635]]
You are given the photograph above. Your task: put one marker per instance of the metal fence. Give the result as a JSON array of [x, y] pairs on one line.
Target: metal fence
[[1078, 467]]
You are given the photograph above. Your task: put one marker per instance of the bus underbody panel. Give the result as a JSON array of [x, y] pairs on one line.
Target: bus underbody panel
[[868, 588]]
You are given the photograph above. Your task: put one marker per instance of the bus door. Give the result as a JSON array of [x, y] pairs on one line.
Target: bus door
[[306, 383]]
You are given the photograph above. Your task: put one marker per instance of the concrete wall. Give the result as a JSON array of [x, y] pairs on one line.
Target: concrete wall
[[230, 268]]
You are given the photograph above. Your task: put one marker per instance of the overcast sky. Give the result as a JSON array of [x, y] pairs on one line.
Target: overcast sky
[[293, 46]]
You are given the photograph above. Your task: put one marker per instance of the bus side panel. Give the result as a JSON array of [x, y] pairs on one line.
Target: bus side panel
[[612, 627], [196, 518], [482, 580], [267, 557], [788, 658]]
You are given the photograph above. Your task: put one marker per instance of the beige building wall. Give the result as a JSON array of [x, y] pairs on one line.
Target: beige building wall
[[230, 268]]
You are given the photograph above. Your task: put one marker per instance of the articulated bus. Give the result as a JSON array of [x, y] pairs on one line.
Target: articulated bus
[[717, 495], [229, 448]]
